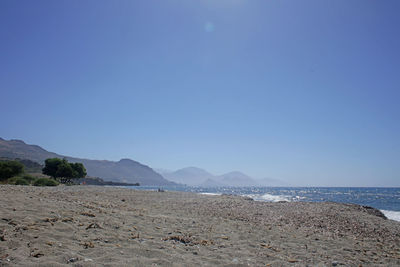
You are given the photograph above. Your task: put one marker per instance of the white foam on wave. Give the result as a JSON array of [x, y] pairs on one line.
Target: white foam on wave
[[211, 194], [392, 215], [269, 197]]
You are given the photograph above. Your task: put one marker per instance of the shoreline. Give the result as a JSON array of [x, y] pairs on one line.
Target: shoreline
[[109, 226], [390, 214]]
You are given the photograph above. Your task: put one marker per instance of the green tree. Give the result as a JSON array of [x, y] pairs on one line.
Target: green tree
[[79, 170], [65, 172], [9, 169], [51, 167], [62, 169]]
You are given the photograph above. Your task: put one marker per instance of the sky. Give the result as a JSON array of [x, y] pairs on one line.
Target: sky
[[306, 92]]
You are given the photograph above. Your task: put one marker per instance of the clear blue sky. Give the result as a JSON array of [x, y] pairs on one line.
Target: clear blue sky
[[303, 91]]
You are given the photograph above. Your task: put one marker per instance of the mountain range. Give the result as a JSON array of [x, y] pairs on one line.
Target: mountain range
[[130, 171], [125, 170], [194, 176]]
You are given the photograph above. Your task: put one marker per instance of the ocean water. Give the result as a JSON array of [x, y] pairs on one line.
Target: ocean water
[[385, 199]]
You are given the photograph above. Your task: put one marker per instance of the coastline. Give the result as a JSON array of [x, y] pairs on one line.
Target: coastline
[[92, 226]]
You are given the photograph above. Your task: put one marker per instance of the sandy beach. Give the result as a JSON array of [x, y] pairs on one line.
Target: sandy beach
[[106, 226]]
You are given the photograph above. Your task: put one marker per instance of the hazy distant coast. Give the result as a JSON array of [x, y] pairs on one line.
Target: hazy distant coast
[[92, 226]]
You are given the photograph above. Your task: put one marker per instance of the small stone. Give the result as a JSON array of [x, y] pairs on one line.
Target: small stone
[[72, 260], [37, 254], [335, 263]]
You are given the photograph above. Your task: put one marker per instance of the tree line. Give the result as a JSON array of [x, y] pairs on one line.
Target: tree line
[[60, 170]]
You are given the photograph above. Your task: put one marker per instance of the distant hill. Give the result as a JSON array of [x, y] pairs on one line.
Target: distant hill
[[194, 176], [236, 179], [125, 170], [190, 176]]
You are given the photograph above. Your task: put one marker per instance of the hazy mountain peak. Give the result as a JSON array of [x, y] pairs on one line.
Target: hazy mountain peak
[[189, 176], [237, 178], [194, 170], [235, 173], [126, 161]]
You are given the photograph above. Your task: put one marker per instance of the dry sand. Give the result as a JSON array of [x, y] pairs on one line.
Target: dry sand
[[104, 226]]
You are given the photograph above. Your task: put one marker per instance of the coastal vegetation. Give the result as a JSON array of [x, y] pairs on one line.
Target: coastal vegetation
[[122, 171], [62, 170], [15, 172], [45, 182], [26, 172], [10, 168]]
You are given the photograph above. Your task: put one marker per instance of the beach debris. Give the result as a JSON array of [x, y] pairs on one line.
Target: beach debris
[[292, 260], [88, 214], [87, 260], [269, 247], [71, 260], [2, 236], [37, 254], [69, 219], [134, 235], [87, 245], [224, 237], [206, 242], [182, 239], [93, 225], [51, 220], [188, 240], [11, 222]]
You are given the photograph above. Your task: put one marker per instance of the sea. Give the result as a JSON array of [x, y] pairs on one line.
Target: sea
[[386, 200]]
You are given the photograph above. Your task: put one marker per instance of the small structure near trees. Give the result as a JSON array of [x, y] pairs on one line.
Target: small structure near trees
[[63, 170]]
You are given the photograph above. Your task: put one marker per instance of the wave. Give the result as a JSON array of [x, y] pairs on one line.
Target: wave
[[210, 194], [270, 198], [392, 215]]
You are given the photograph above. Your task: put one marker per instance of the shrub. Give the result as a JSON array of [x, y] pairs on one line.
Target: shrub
[[12, 180], [29, 178], [45, 182], [21, 181], [10, 168]]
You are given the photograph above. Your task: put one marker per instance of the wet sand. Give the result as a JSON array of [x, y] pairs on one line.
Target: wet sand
[[105, 226]]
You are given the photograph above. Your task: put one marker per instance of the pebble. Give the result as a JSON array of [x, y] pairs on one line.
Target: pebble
[[73, 260]]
